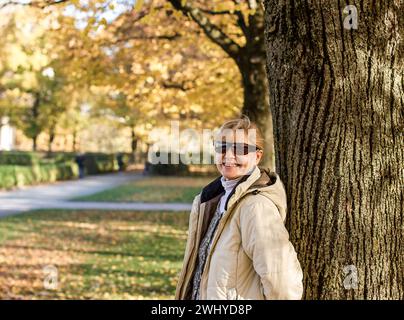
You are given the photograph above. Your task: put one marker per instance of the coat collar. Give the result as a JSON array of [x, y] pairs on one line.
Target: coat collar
[[259, 177]]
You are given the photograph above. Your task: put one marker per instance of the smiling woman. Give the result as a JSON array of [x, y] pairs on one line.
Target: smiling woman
[[239, 147], [238, 246]]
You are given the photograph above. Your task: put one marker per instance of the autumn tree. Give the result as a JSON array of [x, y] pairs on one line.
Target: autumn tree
[[202, 76], [33, 80], [6, 27], [337, 96], [243, 42], [44, 79], [157, 74]]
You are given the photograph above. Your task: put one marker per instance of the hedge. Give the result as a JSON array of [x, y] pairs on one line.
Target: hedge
[[168, 169], [19, 168], [125, 160], [19, 158], [18, 176], [58, 157], [94, 162], [100, 163]]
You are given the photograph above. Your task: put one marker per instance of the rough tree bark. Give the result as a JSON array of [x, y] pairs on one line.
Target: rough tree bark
[[337, 100]]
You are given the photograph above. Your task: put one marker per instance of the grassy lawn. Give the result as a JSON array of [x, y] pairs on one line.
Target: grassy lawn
[[98, 255], [153, 189]]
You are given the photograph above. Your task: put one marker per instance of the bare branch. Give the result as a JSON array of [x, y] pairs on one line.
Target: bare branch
[[184, 85], [215, 13], [36, 4], [175, 85], [145, 37], [212, 31], [241, 23]]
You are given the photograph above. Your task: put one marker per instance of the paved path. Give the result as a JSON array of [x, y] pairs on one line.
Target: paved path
[[56, 196]]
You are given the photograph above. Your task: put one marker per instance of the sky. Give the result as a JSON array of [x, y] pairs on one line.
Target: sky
[[110, 14]]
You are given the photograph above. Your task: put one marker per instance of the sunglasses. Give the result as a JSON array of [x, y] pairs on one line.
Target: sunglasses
[[240, 149]]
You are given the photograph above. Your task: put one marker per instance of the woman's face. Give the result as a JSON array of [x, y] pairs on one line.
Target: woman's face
[[232, 165]]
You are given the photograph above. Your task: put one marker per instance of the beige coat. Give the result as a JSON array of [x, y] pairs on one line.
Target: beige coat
[[251, 256]]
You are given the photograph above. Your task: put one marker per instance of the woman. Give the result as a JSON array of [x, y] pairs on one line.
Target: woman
[[238, 247]]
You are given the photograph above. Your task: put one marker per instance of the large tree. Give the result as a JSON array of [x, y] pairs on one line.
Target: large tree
[[337, 96], [34, 80]]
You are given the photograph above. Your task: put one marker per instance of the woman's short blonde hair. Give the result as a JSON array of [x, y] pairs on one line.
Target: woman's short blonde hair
[[244, 123]]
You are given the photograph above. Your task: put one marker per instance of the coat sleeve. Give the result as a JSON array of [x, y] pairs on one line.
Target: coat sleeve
[[266, 242], [192, 224]]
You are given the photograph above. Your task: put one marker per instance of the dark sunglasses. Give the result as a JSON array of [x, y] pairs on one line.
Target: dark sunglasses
[[240, 149]]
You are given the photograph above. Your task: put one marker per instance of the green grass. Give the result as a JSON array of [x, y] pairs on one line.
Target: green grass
[[154, 189], [98, 254]]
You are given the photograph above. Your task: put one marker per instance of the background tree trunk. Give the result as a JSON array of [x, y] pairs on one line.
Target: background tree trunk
[[256, 105], [33, 129], [337, 99], [251, 63], [133, 145], [74, 142], [34, 143], [52, 137]]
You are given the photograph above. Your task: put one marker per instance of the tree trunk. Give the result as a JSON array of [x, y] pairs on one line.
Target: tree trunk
[[251, 63], [34, 126], [337, 102], [256, 102], [34, 143], [133, 144], [51, 139], [74, 142]]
